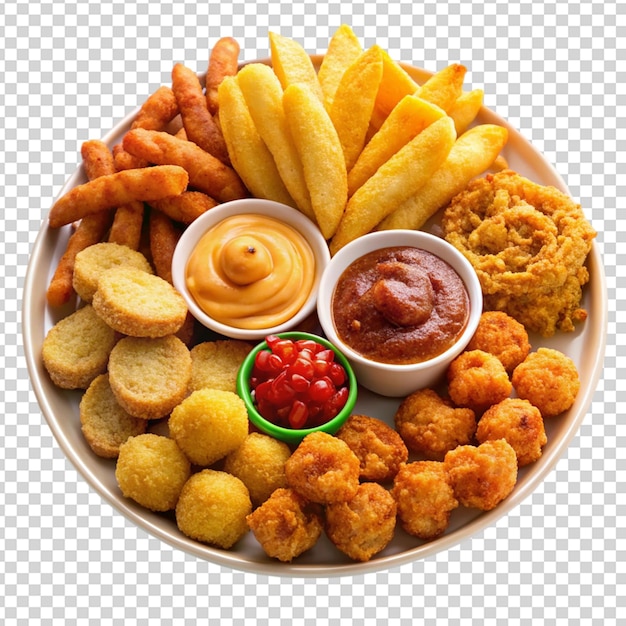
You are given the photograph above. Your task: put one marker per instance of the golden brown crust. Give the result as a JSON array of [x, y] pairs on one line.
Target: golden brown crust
[[215, 364]]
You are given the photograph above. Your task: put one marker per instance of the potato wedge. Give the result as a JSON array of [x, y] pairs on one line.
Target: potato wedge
[[444, 87], [321, 155], [465, 109], [472, 153], [395, 181]]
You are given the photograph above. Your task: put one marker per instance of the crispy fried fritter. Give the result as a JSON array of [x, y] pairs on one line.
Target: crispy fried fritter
[[517, 421], [215, 363], [528, 244], [431, 425], [548, 379]]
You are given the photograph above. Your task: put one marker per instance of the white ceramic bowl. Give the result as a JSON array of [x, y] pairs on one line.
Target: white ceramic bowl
[[390, 379], [194, 232]]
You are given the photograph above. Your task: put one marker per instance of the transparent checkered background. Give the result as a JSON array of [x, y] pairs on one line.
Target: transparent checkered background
[[70, 71]]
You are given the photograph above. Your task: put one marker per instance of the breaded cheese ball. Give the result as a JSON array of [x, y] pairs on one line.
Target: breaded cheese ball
[[476, 380], [323, 469], [215, 363], [259, 462], [377, 445], [520, 423], [212, 508], [364, 525], [425, 498], [482, 476], [151, 469], [286, 524], [430, 425], [208, 424], [548, 379]]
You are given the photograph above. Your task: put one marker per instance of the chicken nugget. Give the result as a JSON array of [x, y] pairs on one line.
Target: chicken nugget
[[365, 524], [430, 425], [215, 364], [425, 498], [223, 61], [482, 476], [548, 379], [517, 421]]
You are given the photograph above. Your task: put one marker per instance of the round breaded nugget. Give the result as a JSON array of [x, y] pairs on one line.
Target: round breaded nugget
[[91, 262], [149, 377], [286, 524], [425, 498], [259, 462], [377, 445], [208, 424], [104, 423], [323, 469], [430, 425], [212, 508], [476, 380], [139, 304], [482, 476], [364, 525], [548, 379], [151, 470], [503, 336], [77, 348], [215, 364], [517, 421]]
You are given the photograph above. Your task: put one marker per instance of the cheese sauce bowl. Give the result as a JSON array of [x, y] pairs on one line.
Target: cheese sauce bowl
[[249, 268], [385, 375]]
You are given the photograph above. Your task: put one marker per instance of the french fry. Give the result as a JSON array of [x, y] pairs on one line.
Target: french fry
[[444, 87], [465, 109], [250, 156], [395, 181], [292, 64], [264, 96], [163, 236], [343, 50], [127, 225], [223, 61], [407, 119], [186, 206], [159, 109], [206, 172], [472, 153], [116, 189], [321, 155], [354, 101]]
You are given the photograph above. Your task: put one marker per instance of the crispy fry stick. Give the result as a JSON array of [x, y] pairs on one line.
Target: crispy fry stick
[[163, 239], [127, 225], [113, 190], [444, 87], [395, 181], [199, 125], [465, 109], [159, 109], [206, 172], [97, 159], [223, 61], [472, 153], [125, 161], [185, 207]]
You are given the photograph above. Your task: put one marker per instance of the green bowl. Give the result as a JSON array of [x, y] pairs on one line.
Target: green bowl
[[293, 435]]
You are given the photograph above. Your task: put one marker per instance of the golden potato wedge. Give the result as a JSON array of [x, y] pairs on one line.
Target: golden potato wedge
[[472, 153], [395, 181], [321, 155], [444, 87], [465, 109]]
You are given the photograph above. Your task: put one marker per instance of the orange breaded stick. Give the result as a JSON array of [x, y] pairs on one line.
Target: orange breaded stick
[[206, 173], [125, 161], [160, 108], [198, 123], [97, 159], [163, 239], [185, 207], [105, 192], [223, 61], [127, 225]]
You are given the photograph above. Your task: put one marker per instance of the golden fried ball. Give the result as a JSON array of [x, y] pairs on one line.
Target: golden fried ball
[[151, 469], [364, 525], [548, 379], [477, 379], [425, 498], [377, 445], [323, 469], [430, 425], [260, 463], [212, 508], [208, 424], [482, 476], [286, 524], [517, 421], [503, 336]]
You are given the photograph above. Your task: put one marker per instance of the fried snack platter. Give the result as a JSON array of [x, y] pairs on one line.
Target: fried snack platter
[[585, 346]]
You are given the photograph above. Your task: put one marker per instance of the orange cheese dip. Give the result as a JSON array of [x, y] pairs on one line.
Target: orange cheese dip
[[251, 272]]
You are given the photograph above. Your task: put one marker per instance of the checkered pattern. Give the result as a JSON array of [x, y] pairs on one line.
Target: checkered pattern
[[70, 71]]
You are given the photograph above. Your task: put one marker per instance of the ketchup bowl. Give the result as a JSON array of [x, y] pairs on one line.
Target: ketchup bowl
[[310, 387], [250, 268], [378, 370]]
